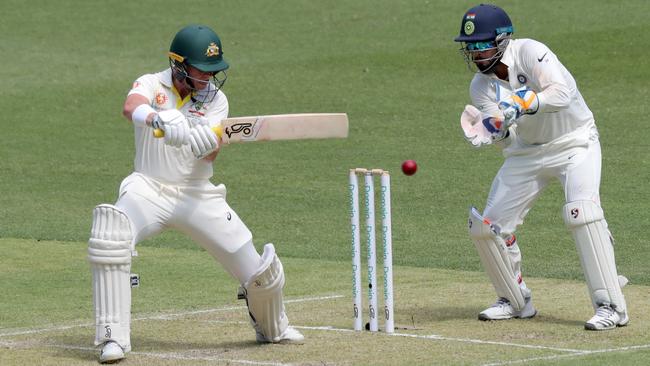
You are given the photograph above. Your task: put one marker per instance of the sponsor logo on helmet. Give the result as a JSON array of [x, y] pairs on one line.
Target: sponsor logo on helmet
[[161, 98], [136, 84], [213, 50], [470, 16], [469, 27]]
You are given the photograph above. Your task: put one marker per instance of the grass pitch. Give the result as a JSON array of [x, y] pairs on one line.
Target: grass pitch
[[392, 66], [197, 322]]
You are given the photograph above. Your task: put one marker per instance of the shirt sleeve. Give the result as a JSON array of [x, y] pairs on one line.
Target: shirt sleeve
[[144, 86], [557, 87], [483, 93]]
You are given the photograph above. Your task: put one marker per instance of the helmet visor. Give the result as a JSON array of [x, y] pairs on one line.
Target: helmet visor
[[480, 46]]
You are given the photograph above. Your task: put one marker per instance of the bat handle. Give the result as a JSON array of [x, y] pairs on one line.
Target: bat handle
[[158, 133]]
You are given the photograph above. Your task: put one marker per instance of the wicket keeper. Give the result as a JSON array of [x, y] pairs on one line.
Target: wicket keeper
[[532, 108]]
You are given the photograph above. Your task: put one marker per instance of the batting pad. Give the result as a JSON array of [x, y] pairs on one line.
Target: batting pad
[[263, 293], [494, 256], [587, 223], [109, 254]]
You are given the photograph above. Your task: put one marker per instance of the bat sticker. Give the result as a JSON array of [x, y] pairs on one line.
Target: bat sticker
[[245, 128]]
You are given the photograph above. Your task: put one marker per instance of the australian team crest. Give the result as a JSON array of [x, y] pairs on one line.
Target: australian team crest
[[161, 99], [212, 50]]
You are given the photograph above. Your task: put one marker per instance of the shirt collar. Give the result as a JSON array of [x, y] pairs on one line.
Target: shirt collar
[[166, 78], [508, 57]]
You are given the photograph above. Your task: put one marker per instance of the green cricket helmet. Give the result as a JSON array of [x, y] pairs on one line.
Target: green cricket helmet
[[200, 47]]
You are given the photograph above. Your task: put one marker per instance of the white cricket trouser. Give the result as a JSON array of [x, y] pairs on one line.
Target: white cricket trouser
[[575, 160], [200, 211]]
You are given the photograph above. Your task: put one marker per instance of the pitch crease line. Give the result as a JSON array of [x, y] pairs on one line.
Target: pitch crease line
[[443, 338], [165, 316], [164, 356], [577, 354]]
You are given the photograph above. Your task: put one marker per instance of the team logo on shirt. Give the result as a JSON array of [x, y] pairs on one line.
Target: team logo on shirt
[[213, 50], [522, 78], [161, 99]]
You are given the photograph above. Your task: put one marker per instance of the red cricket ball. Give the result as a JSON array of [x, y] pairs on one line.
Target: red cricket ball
[[409, 167]]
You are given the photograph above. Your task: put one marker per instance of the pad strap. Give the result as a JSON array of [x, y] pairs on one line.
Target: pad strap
[[493, 252]]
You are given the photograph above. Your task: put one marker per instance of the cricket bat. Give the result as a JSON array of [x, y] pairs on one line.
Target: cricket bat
[[280, 127]]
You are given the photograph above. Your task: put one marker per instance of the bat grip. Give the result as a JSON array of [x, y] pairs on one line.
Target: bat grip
[[158, 133]]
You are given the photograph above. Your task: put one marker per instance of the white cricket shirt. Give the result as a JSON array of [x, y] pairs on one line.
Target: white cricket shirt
[[562, 109], [163, 162]]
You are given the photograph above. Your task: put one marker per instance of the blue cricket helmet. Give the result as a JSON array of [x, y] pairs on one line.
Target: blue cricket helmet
[[484, 23]]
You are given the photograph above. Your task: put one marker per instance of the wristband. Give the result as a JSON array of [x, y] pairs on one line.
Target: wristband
[[140, 114]]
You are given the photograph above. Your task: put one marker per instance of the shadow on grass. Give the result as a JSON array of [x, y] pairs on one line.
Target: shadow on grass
[[421, 314]]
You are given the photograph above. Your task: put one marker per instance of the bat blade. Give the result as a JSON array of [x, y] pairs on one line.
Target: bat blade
[[301, 126], [285, 127]]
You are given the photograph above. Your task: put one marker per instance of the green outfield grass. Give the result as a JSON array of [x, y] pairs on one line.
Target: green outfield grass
[[394, 68]]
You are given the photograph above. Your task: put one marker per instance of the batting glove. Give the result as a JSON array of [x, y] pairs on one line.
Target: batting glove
[[522, 101], [175, 125], [203, 141]]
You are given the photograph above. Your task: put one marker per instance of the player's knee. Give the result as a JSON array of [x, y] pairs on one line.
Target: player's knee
[[580, 213], [110, 237], [479, 228], [269, 278]]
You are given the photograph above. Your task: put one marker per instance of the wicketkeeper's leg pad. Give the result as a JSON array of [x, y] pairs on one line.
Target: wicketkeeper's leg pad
[[109, 254], [586, 221], [263, 294], [493, 253]]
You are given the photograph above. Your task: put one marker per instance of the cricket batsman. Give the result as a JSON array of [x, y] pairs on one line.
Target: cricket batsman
[[526, 102], [170, 188]]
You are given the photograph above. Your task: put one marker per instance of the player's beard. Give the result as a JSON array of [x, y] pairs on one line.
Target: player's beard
[[486, 68]]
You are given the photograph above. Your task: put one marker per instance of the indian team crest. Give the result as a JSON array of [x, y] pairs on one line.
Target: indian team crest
[[522, 79], [212, 50], [469, 27]]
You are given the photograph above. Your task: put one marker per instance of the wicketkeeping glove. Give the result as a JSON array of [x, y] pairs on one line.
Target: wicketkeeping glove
[[497, 128], [481, 129], [522, 101], [203, 141], [175, 125]]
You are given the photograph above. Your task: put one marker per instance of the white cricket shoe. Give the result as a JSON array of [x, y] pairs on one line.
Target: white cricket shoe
[[290, 335], [502, 309], [111, 352], [607, 318]]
